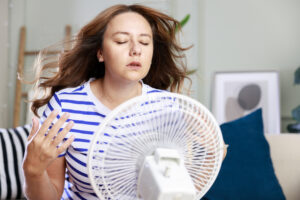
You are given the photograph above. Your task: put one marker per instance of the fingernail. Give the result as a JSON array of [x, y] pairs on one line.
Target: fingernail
[[70, 124]]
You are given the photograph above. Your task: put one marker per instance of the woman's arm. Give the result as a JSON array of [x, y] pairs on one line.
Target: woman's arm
[[44, 173], [48, 185]]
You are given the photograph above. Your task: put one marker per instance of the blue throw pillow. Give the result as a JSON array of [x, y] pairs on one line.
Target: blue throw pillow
[[247, 172]]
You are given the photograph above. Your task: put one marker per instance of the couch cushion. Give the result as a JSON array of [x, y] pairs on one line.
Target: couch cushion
[[12, 147], [247, 171], [285, 154]]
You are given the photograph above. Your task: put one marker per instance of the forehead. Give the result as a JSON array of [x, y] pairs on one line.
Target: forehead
[[130, 22]]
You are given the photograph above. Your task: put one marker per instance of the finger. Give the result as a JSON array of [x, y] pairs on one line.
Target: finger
[[34, 128], [66, 144], [55, 128], [47, 123], [63, 133]]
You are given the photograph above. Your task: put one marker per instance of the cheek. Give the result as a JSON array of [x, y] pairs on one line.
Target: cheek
[[112, 56], [149, 54], [110, 51]]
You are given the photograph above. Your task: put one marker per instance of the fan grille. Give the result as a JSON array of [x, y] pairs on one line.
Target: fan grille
[[139, 126]]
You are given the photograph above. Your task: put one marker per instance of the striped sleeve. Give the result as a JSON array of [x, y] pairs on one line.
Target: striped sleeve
[[53, 104]]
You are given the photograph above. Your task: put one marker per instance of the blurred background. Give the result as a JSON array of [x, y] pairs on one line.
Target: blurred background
[[231, 35]]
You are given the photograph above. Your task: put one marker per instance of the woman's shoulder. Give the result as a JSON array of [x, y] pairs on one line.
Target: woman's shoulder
[[78, 90], [147, 89], [77, 93], [66, 98]]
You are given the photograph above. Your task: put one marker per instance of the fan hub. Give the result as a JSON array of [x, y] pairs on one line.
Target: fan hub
[[163, 176]]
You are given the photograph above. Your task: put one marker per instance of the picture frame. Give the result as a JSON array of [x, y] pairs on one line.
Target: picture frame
[[236, 94]]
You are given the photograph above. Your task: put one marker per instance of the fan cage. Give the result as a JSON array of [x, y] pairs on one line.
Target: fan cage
[[137, 127]]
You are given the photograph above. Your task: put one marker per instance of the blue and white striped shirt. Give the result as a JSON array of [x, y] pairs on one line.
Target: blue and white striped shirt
[[87, 112]]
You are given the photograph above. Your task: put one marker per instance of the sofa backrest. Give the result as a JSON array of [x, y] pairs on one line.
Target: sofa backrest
[[285, 154]]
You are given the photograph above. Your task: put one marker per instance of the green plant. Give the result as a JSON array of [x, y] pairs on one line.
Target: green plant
[[184, 21]]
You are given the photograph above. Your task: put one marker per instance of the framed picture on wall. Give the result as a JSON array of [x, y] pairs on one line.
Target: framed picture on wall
[[236, 94]]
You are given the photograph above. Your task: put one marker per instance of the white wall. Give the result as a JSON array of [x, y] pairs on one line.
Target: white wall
[[191, 35], [227, 35], [253, 35], [16, 10], [3, 61], [45, 21]]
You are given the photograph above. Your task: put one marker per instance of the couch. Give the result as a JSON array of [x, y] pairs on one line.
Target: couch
[[258, 166], [285, 154]]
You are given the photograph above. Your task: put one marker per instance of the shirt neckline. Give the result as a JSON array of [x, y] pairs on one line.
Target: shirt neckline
[[99, 105]]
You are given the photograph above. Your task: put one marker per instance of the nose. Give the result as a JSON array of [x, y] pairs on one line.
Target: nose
[[136, 49]]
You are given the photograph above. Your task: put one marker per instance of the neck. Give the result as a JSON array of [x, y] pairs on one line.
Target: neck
[[112, 93]]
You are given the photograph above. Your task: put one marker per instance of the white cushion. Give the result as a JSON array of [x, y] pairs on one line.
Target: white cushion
[[285, 154]]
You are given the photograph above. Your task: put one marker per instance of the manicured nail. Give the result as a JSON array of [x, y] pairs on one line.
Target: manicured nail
[[70, 124]]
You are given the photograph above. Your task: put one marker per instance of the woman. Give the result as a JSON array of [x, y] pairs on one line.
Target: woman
[[124, 52]]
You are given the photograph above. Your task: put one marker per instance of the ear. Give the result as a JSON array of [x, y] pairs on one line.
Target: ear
[[100, 56]]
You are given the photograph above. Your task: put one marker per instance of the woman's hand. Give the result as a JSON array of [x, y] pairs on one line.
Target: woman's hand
[[43, 146]]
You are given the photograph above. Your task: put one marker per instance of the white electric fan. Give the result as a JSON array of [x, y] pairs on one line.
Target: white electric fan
[[160, 146]]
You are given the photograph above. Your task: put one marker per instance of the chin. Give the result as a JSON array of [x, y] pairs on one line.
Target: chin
[[135, 77]]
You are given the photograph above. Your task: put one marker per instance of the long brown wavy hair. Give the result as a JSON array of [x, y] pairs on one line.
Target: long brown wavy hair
[[75, 66]]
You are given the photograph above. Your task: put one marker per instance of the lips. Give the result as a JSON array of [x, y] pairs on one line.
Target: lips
[[134, 65]]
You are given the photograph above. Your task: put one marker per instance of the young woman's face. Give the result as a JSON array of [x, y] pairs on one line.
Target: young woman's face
[[127, 48]]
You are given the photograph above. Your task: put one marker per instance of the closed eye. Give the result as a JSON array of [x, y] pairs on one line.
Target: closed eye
[[121, 42], [145, 43]]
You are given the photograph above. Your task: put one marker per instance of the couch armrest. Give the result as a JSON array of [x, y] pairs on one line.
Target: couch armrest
[[285, 154]]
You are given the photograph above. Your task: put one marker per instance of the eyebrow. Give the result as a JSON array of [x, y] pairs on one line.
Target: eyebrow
[[126, 33]]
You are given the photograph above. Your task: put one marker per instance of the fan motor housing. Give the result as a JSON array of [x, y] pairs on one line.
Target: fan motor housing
[[163, 176]]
